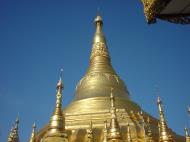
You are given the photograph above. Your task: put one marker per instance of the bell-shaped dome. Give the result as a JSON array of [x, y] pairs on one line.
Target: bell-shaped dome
[[100, 76]]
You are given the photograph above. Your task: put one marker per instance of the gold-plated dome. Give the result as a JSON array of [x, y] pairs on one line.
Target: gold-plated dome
[[99, 78]]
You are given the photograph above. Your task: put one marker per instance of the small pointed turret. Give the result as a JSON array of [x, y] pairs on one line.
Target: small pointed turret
[[129, 139], [114, 132], [187, 136], [165, 135], [10, 137], [14, 135], [32, 137], [149, 131], [56, 121], [56, 130], [90, 137], [105, 138]]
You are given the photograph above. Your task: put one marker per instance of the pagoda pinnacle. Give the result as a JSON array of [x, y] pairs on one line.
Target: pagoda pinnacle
[[99, 58], [32, 137], [105, 138], [90, 137], [99, 40], [57, 122], [187, 136], [57, 117], [13, 135], [10, 137], [128, 133], [114, 133], [165, 135], [149, 131]]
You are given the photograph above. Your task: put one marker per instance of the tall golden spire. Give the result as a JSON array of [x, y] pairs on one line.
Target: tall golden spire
[[90, 137], [99, 58], [149, 131], [99, 47], [129, 139], [114, 132], [187, 136], [105, 138], [56, 131], [165, 135], [32, 137]]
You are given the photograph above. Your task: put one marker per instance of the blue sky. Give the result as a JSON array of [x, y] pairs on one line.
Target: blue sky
[[39, 37]]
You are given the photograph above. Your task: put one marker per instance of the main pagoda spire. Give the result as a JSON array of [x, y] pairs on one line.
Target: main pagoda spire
[[99, 58], [56, 131], [99, 47]]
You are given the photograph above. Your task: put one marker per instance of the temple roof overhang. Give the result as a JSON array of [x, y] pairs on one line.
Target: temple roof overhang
[[175, 11]]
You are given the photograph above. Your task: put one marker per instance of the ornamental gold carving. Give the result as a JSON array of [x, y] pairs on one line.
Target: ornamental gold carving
[[99, 49]]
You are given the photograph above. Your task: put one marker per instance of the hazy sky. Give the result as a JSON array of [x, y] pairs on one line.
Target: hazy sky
[[39, 37]]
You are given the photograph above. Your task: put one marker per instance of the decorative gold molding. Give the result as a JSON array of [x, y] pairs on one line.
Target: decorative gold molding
[[99, 49]]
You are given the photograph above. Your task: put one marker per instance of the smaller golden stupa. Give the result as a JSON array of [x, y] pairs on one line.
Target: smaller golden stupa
[[33, 135], [56, 129], [14, 135]]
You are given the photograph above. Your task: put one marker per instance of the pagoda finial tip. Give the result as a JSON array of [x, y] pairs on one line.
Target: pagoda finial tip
[[186, 132], [61, 73], [188, 109], [158, 100], [98, 19], [60, 83], [34, 125]]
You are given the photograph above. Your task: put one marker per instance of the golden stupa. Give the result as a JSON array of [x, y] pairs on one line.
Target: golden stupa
[[91, 104], [102, 110]]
